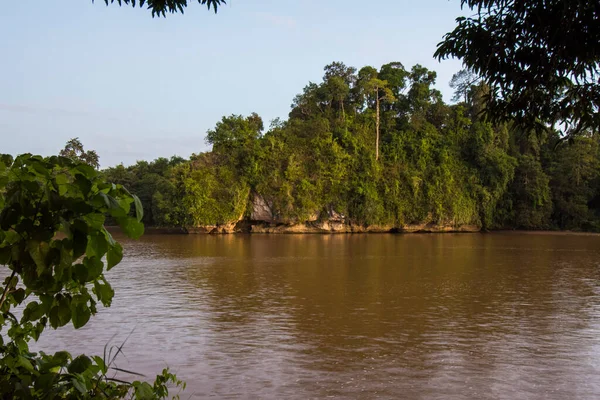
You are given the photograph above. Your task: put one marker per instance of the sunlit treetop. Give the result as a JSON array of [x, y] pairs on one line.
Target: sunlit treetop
[[160, 8]]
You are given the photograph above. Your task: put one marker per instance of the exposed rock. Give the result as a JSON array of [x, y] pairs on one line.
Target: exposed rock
[[333, 215], [263, 219], [437, 228], [337, 227], [262, 210]]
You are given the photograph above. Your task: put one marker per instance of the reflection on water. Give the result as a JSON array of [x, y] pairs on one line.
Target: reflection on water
[[447, 316]]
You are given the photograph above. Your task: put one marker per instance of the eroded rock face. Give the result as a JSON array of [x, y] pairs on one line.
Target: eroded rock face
[[263, 219], [262, 210], [338, 227]]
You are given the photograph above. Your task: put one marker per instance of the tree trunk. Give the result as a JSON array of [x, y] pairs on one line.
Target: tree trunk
[[377, 125]]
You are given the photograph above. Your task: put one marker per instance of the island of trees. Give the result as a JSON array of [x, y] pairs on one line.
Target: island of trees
[[362, 148], [376, 148]]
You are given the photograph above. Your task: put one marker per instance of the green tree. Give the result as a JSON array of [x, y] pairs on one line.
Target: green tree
[[234, 141], [461, 83], [574, 173], [74, 150], [540, 58], [53, 243], [378, 90], [434, 163]]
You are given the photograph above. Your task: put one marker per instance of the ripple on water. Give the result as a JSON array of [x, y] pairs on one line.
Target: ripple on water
[[358, 316]]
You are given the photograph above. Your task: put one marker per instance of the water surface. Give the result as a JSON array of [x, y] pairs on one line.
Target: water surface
[[450, 316]]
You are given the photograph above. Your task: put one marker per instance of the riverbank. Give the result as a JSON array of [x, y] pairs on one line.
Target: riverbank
[[546, 232], [350, 229]]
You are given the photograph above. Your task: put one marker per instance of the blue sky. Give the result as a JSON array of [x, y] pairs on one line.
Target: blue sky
[[134, 87]]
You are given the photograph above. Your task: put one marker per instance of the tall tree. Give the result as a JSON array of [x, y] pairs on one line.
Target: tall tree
[[461, 83], [379, 91], [541, 59], [75, 151]]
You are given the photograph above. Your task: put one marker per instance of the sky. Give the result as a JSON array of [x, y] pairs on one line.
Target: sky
[[133, 87]]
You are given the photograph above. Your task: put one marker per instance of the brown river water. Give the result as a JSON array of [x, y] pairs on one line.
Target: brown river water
[[446, 316]]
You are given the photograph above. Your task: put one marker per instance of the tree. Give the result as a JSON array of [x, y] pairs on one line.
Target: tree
[[338, 90], [420, 94], [74, 150], [540, 58], [234, 141], [461, 83], [395, 75], [379, 90], [53, 243], [161, 7]]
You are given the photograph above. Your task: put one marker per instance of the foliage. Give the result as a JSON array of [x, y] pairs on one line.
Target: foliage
[[437, 163], [161, 7], [75, 151], [540, 58], [53, 241]]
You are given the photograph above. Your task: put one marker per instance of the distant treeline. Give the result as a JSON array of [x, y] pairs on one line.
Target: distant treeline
[[380, 147]]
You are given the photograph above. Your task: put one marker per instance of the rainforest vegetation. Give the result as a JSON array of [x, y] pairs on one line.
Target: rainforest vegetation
[[379, 146]]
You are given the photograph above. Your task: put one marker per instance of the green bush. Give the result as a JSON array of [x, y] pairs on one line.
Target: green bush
[[56, 248]]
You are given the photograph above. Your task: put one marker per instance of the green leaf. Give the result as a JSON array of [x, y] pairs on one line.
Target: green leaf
[[79, 385], [104, 292], [41, 169], [38, 251], [79, 364], [131, 227], [100, 362], [143, 391], [84, 184], [79, 243], [80, 273], [114, 256], [96, 245], [24, 363], [139, 209], [62, 181], [19, 295], [66, 260], [111, 241], [45, 382], [94, 268], [81, 315], [33, 311], [64, 310], [86, 170], [95, 220], [113, 206], [60, 358], [60, 313]]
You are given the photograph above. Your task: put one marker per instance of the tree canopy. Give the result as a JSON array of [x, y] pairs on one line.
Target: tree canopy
[[540, 59], [75, 152], [160, 8], [380, 147]]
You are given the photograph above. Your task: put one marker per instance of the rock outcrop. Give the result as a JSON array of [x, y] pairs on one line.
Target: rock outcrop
[[337, 227], [264, 219]]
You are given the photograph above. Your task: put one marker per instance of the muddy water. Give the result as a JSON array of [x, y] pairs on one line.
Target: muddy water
[[471, 316]]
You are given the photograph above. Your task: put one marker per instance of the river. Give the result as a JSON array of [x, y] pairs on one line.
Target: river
[[417, 316]]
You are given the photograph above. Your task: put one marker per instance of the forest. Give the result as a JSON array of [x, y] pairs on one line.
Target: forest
[[378, 147]]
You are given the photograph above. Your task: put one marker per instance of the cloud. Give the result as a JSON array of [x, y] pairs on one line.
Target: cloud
[[279, 20]]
